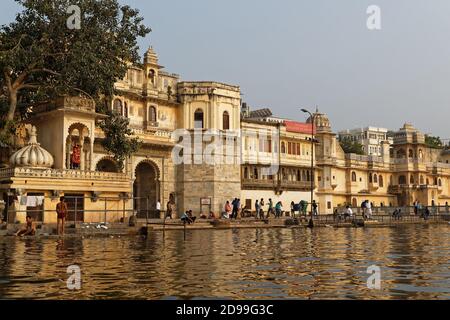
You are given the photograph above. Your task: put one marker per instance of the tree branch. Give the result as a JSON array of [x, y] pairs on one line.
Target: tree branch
[[29, 86], [16, 46], [45, 70], [7, 79]]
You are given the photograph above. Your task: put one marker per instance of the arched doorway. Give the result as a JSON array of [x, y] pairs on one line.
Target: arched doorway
[[146, 186]]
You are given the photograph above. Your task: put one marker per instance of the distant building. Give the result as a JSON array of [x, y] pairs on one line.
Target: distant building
[[370, 138]]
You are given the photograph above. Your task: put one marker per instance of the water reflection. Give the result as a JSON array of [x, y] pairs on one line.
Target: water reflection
[[322, 263]]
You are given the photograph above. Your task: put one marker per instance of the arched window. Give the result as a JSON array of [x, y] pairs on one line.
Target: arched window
[[152, 114], [411, 179], [440, 183], [353, 176], [370, 178], [428, 181], [402, 180], [410, 153], [226, 121], [255, 173], [151, 75], [401, 154], [381, 181], [198, 119], [375, 178], [421, 180], [420, 154], [117, 107], [283, 147]]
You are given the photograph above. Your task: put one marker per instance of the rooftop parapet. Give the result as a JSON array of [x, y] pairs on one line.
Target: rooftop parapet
[[79, 104]]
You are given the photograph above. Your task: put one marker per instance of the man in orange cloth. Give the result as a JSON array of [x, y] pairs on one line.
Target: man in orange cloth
[[76, 157]]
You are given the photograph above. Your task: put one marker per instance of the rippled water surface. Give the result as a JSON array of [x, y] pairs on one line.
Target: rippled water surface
[[323, 263]]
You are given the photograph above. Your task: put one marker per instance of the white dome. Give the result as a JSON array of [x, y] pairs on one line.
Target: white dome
[[32, 155]]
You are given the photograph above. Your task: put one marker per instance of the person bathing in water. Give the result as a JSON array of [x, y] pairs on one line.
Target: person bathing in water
[[29, 230]]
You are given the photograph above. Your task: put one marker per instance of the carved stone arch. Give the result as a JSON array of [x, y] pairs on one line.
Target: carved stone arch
[[77, 126], [109, 168], [78, 147], [146, 188], [151, 163]]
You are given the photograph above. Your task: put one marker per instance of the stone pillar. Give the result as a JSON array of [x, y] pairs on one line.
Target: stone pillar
[[82, 155], [68, 149]]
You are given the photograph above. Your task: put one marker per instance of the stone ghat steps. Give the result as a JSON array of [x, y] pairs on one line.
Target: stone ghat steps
[[79, 229]]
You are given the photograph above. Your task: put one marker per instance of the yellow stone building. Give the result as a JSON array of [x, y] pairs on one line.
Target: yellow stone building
[[230, 153]]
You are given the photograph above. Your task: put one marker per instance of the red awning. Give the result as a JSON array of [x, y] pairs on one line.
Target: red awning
[[299, 127]]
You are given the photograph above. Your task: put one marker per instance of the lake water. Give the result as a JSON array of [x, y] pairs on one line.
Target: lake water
[[323, 263]]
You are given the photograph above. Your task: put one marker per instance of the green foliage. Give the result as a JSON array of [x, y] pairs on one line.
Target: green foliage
[[41, 58], [118, 141], [433, 142], [350, 146], [7, 133]]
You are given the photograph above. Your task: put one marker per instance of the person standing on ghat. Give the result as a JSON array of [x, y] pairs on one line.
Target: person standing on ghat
[[61, 210], [257, 209], [270, 210], [261, 204]]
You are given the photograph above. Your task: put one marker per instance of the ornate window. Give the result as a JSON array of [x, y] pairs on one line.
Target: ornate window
[[353, 176], [152, 114], [117, 107]]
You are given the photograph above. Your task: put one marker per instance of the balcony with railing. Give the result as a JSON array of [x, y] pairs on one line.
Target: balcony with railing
[[19, 172], [283, 185]]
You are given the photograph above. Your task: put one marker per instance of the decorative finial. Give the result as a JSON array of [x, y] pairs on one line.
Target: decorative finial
[[33, 134]]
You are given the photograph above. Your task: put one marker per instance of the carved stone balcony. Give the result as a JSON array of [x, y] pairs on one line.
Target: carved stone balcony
[[151, 125], [255, 184], [61, 174]]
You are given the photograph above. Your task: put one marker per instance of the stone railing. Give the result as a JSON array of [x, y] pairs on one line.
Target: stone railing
[[62, 174], [439, 165], [274, 184], [409, 161]]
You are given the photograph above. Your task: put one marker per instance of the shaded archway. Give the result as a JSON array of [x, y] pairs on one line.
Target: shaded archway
[[146, 189], [78, 147], [106, 165]]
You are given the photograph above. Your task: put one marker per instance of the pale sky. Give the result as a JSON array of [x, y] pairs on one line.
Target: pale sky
[[290, 54]]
